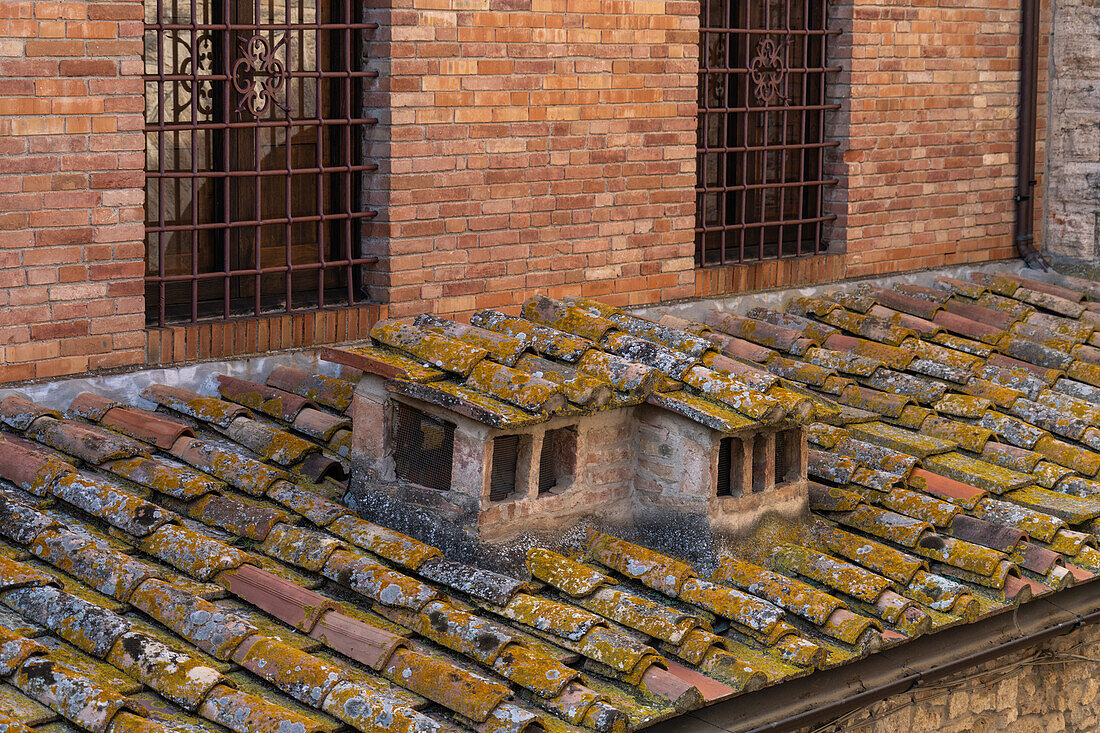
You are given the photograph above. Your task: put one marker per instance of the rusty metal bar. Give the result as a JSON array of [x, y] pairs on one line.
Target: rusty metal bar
[[762, 89], [243, 106]]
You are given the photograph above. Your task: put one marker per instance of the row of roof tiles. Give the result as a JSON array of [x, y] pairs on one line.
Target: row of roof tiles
[[209, 529]]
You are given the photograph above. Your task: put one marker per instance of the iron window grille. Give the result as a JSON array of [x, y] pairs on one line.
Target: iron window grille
[[761, 130], [253, 122], [423, 447]]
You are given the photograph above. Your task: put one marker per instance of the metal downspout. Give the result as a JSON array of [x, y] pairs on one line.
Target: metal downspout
[[1025, 140]]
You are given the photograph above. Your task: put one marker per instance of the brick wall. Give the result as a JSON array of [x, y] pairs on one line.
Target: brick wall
[[534, 145], [525, 146], [927, 128], [71, 162]]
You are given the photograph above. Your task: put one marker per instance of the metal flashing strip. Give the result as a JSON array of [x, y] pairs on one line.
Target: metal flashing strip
[[826, 695]]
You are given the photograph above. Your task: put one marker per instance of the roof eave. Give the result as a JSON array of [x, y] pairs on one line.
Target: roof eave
[[826, 695]]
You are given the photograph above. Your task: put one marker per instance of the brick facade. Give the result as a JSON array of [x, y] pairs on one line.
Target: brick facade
[[71, 162], [927, 131], [524, 145], [535, 145]]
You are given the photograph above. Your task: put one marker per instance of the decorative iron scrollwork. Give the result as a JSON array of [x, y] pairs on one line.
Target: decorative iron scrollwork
[[768, 71], [195, 62], [258, 75]]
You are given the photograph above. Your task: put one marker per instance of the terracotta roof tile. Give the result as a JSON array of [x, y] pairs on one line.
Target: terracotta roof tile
[[979, 494]]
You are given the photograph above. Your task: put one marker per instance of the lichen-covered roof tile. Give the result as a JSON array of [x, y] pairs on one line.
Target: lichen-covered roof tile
[[382, 541], [899, 439], [702, 410], [1073, 509], [565, 317], [548, 342], [467, 402], [1038, 525], [516, 387], [657, 571], [247, 474], [792, 595], [199, 557], [192, 404], [974, 472], [673, 338], [882, 559], [435, 349], [332, 392], [501, 348]]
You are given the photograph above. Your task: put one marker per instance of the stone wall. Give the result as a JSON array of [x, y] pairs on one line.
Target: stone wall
[[1072, 221], [1038, 690], [71, 187]]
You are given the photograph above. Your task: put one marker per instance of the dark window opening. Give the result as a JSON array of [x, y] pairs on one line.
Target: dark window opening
[[557, 461], [423, 448], [730, 471], [787, 456], [253, 123], [502, 479], [761, 463], [761, 130]]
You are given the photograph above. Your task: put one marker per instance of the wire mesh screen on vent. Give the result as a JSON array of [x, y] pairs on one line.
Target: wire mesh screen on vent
[[423, 448], [502, 480]]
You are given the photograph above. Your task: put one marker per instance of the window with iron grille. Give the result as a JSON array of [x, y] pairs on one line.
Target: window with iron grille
[[252, 123], [502, 478], [762, 76], [423, 447], [730, 479], [558, 459]]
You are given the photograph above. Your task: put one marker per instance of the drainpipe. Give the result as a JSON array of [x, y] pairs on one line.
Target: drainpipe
[[1025, 141]]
